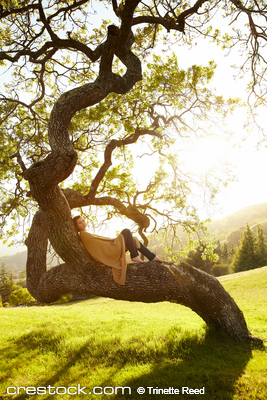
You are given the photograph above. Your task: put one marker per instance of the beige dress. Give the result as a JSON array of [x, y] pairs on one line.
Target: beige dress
[[110, 252]]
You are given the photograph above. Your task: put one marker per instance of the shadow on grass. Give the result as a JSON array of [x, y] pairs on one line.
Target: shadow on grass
[[212, 361], [212, 365]]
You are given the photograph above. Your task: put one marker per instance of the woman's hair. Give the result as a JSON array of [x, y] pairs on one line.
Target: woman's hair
[[75, 219]]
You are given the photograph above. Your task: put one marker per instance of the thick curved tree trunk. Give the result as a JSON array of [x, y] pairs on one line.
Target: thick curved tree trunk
[[149, 282]]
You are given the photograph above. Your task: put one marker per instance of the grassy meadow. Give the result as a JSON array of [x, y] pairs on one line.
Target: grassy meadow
[[100, 344]]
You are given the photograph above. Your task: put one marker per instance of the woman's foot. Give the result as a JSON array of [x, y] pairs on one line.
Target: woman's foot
[[138, 259], [158, 260]]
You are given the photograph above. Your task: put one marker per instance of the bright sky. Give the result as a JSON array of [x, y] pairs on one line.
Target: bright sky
[[248, 166], [249, 163], [249, 159], [243, 151]]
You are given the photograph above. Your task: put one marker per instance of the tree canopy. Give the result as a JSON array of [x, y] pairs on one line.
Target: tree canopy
[[53, 46], [79, 89]]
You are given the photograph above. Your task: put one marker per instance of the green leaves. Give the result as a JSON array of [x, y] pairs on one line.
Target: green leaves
[[168, 105], [54, 47]]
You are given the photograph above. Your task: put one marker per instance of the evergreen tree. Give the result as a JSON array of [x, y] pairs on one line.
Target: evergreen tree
[[224, 254], [3, 278], [6, 284], [11, 283], [261, 248], [245, 257], [232, 251], [218, 249]]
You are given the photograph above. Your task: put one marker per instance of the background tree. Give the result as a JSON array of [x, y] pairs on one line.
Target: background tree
[[3, 276], [6, 284], [20, 296], [197, 259], [10, 292], [222, 265], [218, 249], [245, 257], [37, 133], [252, 251], [260, 248], [225, 254]]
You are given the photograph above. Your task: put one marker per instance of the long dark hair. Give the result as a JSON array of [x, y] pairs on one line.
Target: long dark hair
[[75, 219]]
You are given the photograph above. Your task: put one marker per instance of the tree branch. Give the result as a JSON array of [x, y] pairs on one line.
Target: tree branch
[[56, 44], [45, 22], [113, 144], [115, 7], [19, 160], [176, 23], [151, 282], [19, 10]]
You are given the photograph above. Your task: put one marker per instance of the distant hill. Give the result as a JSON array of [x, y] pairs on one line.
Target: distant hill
[[16, 262], [254, 214], [229, 228]]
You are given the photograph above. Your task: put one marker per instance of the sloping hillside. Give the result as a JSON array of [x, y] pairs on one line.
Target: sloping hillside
[[228, 228], [247, 215], [250, 273], [16, 262]]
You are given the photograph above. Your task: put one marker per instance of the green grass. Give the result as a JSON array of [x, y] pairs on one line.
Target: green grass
[[108, 343]]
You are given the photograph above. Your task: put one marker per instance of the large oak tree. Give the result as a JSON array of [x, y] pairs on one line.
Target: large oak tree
[[78, 86]]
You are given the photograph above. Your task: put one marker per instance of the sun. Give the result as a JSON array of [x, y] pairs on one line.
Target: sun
[[206, 155]]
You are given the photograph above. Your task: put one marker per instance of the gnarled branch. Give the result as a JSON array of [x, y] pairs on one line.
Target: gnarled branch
[[150, 282]]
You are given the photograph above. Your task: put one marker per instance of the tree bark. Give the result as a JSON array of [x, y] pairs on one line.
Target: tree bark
[[150, 282]]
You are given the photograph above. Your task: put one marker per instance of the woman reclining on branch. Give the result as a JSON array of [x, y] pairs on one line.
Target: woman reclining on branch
[[112, 252]]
